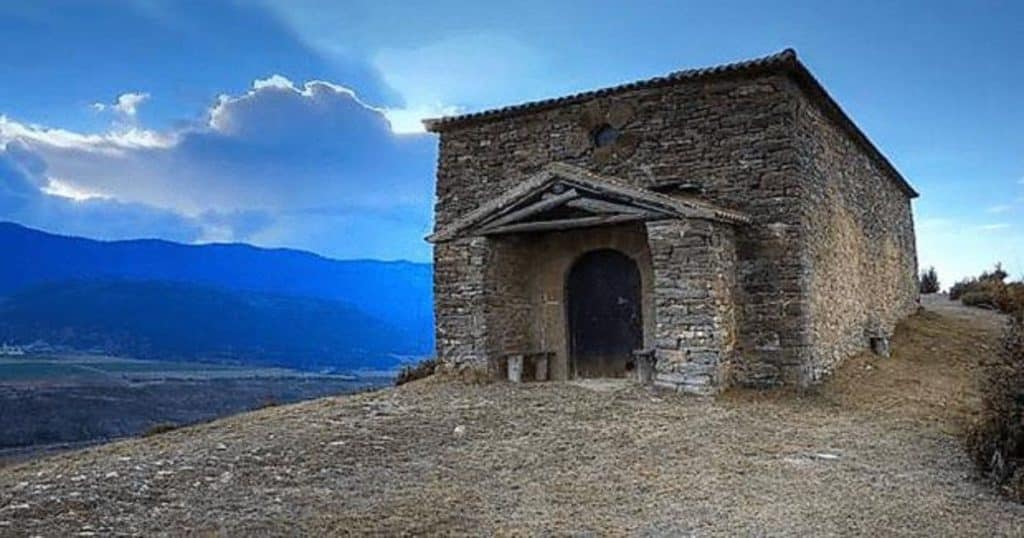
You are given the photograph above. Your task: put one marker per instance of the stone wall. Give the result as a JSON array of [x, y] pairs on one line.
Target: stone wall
[[861, 254], [459, 292], [694, 281], [509, 311], [729, 139]]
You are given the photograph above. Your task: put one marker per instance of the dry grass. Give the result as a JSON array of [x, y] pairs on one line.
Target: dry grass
[[874, 452]]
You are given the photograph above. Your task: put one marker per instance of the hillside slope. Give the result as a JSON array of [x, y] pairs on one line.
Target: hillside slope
[[875, 452]]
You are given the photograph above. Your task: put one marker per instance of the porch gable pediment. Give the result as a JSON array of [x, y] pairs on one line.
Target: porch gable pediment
[[562, 197]]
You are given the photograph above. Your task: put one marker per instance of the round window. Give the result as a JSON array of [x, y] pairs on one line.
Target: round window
[[605, 135]]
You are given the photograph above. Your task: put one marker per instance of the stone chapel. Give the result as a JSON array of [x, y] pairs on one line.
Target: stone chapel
[[715, 226]]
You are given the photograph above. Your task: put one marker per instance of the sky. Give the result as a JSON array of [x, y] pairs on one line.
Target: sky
[[296, 124]]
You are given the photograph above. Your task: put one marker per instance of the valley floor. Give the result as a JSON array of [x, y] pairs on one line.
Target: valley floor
[[56, 402], [875, 451]]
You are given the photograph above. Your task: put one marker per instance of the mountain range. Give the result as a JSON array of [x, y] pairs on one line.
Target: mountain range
[[159, 299]]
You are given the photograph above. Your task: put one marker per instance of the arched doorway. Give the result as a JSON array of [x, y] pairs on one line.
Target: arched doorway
[[604, 314]]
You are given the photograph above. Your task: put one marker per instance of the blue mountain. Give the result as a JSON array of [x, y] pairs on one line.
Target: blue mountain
[[376, 300]]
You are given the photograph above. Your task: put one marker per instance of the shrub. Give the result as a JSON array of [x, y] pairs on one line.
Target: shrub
[[978, 298], [997, 274], [930, 281], [957, 290], [412, 372], [268, 402], [990, 290], [1014, 297], [996, 441], [162, 427]]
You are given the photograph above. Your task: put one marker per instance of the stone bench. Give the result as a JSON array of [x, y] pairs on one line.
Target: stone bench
[[532, 366]]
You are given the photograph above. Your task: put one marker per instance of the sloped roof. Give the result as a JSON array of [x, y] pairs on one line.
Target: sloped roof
[[785, 62], [594, 185]]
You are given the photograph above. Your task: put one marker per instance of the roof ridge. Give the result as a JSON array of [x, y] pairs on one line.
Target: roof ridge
[[784, 56]]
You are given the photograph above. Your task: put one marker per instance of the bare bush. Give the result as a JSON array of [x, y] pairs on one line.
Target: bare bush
[[996, 442], [162, 427], [412, 372]]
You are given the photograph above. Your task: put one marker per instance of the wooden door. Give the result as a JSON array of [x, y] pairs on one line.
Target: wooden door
[[604, 314]]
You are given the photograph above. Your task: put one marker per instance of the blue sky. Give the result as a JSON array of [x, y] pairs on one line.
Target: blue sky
[[293, 123]]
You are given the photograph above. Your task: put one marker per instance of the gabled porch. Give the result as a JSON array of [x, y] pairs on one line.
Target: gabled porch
[[590, 269]]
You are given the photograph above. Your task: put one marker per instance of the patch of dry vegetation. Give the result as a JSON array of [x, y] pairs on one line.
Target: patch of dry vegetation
[[997, 440], [162, 427], [990, 290], [412, 372]]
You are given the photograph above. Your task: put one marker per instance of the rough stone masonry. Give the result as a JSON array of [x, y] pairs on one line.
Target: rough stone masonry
[[749, 233]]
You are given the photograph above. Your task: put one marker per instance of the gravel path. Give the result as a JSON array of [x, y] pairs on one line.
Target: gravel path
[[875, 451]]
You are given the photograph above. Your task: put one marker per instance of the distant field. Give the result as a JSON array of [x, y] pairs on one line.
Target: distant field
[[97, 368], [30, 370], [48, 400]]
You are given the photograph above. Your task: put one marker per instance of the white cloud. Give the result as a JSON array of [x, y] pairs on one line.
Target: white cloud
[[126, 105], [282, 164], [410, 120], [63, 189], [273, 81], [994, 227], [1002, 208], [280, 88], [113, 142]]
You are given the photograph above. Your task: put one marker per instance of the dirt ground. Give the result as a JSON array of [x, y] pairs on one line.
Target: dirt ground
[[875, 451]]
